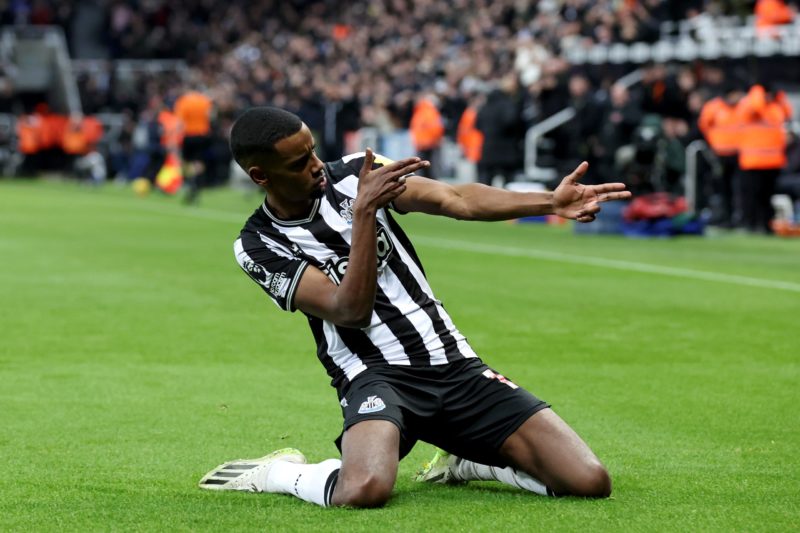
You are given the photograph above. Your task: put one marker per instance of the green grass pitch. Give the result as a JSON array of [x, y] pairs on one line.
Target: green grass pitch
[[135, 356]]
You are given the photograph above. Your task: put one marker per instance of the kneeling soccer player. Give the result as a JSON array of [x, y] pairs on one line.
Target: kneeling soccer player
[[324, 242]]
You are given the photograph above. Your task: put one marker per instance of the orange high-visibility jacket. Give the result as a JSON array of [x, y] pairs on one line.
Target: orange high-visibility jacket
[[93, 129], [74, 140], [29, 134], [772, 13], [80, 138], [52, 131], [720, 125], [171, 129], [470, 138], [762, 143], [194, 110], [426, 126]]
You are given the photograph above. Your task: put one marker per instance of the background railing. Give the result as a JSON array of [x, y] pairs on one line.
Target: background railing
[[706, 38]]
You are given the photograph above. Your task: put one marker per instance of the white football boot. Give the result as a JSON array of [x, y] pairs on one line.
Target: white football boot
[[249, 475]]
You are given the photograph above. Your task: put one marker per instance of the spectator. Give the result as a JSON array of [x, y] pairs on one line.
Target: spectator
[[579, 134], [342, 117], [615, 148], [503, 133], [7, 98]]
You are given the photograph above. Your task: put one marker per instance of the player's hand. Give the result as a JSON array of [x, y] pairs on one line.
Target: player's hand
[[582, 202], [378, 187]]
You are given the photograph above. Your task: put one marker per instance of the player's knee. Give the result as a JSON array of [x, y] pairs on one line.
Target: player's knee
[[369, 491], [594, 482]]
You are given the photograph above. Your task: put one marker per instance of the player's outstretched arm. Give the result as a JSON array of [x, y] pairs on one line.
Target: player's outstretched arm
[[350, 304], [475, 201]]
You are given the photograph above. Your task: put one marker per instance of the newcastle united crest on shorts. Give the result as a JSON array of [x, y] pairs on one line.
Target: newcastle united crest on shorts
[[373, 404]]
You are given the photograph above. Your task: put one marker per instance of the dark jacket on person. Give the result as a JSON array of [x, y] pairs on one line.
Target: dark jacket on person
[[503, 130]]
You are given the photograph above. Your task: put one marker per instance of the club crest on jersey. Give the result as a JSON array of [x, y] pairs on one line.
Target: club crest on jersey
[[347, 210], [373, 404]]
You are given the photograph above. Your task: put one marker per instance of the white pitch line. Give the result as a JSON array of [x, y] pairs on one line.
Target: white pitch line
[[493, 249], [608, 263]]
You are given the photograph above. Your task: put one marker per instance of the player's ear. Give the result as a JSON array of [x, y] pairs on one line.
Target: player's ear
[[258, 176]]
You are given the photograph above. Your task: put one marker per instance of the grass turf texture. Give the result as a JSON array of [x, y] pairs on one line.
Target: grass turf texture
[[135, 356]]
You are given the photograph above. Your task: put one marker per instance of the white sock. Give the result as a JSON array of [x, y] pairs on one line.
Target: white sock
[[312, 483], [469, 471]]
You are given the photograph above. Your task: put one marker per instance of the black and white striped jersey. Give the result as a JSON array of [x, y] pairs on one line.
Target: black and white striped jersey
[[409, 325]]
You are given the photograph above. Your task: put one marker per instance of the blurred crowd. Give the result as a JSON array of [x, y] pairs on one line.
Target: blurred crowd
[[476, 72], [304, 54]]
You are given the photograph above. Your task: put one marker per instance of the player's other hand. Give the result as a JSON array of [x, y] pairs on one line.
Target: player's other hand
[[582, 202], [377, 187]]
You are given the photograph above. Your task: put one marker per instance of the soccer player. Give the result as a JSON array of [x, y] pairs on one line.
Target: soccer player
[[324, 242]]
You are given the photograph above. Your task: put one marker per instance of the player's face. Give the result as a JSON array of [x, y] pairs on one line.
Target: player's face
[[295, 172]]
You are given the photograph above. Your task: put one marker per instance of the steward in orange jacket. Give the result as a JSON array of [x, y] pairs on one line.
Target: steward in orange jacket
[[29, 133], [720, 126], [81, 135], [470, 138], [171, 130], [762, 143], [427, 128], [74, 141], [29, 143], [762, 152], [427, 131]]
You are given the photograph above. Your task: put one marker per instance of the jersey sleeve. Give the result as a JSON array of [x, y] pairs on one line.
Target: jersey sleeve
[[273, 268]]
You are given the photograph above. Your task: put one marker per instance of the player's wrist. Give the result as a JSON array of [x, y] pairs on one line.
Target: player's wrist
[[364, 211], [543, 203]]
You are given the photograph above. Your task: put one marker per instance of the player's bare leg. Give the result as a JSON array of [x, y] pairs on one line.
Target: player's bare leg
[[547, 458], [546, 448], [370, 455]]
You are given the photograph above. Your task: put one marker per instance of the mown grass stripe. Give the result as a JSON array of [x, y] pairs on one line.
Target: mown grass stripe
[[618, 264], [493, 249]]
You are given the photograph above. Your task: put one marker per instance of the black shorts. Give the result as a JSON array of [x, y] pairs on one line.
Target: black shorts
[[195, 147], [463, 407]]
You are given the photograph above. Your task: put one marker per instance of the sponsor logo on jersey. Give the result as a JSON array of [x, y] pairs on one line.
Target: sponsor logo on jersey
[[335, 268], [277, 284], [373, 404]]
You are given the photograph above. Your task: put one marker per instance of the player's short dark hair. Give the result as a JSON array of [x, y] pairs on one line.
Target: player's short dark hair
[[258, 129]]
